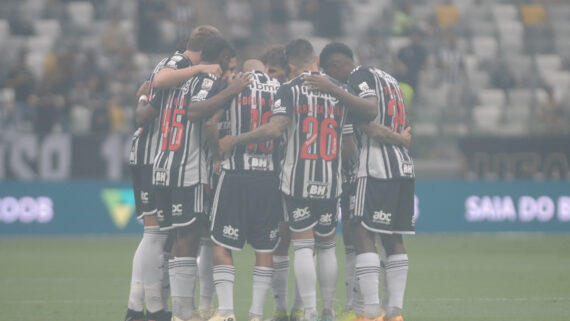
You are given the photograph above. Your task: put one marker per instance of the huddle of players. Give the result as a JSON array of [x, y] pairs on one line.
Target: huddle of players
[[275, 151]]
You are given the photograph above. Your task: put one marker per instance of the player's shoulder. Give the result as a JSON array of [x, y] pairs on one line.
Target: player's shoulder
[[178, 60]]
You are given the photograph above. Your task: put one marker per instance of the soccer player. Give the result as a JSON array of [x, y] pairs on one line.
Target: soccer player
[[310, 124], [179, 170], [149, 279], [275, 62], [385, 184], [245, 198]]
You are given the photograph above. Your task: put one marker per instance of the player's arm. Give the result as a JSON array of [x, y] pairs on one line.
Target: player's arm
[[169, 77], [383, 134], [271, 130], [364, 109], [212, 134], [203, 108], [144, 112]]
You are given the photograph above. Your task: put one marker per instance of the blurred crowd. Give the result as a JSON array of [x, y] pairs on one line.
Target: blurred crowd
[[85, 80]]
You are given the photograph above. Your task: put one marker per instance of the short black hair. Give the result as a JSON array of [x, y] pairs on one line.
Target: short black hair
[[335, 48], [214, 47], [198, 37], [300, 53], [274, 55]]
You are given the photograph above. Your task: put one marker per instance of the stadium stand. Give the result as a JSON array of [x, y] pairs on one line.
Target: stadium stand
[[88, 52]]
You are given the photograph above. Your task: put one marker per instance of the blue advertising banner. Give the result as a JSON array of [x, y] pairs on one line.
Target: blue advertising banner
[[90, 207], [67, 208]]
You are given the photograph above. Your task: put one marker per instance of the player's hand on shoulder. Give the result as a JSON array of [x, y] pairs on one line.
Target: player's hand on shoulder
[[213, 69], [320, 83], [407, 136], [240, 81], [226, 145]]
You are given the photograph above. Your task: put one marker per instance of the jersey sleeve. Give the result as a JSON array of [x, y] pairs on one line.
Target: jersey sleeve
[[178, 61], [362, 83], [283, 104], [204, 88]]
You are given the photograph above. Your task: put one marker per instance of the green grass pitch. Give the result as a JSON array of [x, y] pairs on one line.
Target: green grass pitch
[[452, 277]]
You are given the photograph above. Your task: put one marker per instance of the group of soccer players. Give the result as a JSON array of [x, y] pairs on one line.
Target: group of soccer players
[[268, 156]]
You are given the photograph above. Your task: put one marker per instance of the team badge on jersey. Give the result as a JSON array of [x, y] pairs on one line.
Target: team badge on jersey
[[365, 89], [207, 84], [277, 108]]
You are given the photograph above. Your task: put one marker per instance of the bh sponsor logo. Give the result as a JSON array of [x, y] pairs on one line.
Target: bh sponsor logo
[[382, 217], [230, 232], [316, 190], [121, 205], [526, 209], [300, 214], [26, 209]]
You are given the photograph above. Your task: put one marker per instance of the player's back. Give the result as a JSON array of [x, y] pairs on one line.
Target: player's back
[[384, 161], [310, 164], [181, 156], [249, 110]]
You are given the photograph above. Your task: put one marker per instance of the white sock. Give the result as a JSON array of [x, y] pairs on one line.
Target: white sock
[[205, 268], [385, 293], [136, 293], [327, 272], [305, 274], [153, 267], [350, 275], [367, 269], [165, 282], [358, 302], [261, 284], [279, 281], [297, 302], [224, 277], [183, 272], [396, 274]]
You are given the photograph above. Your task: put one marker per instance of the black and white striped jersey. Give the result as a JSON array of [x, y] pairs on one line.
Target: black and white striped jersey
[[181, 157], [349, 167], [310, 146], [144, 141], [382, 161], [249, 110]]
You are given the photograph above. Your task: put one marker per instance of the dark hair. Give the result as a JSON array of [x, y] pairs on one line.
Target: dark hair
[[274, 55], [214, 47], [300, 53], [335, 48], [199, 35]]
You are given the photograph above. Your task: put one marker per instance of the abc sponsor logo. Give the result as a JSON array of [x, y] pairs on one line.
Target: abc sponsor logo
[[176, 209], [525, 209], [382, 217], [230, 232], [26, 209], [274, 234], [325, 219], [300, 214]]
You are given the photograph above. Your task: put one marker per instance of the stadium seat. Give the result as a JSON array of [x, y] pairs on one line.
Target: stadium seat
[[81, 13], [397, 43], [486, 118], [35, 61], [532, 14], [447, 15], [301, 28], [520, 97], [478, 80], [484, 47], [559, 79], [423, 129], [493, 97], [548, 62], [40, 43], [4, 29], [511, 35], [49, 28], [504, 12]]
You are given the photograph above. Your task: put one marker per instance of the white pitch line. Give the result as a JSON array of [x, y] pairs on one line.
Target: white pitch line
[[98, 301]]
